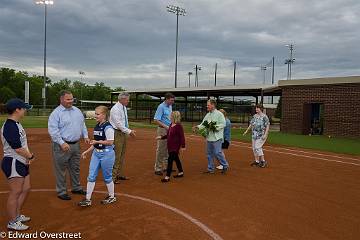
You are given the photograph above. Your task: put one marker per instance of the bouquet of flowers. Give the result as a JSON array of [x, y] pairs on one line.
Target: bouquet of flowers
[[209, 127]]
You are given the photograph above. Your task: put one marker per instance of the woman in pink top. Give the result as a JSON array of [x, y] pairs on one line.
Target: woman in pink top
[[175, 141]]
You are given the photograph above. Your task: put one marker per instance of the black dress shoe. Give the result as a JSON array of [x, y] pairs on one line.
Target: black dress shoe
[[254, 163], [123, 178], [65, 197], [80, 192], [158, 173]]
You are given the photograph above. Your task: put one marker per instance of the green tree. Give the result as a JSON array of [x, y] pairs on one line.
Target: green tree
[[6, 94], [36, 85], [12, 84], [6, 75], [79, 90], [100, 92], [54, 90]]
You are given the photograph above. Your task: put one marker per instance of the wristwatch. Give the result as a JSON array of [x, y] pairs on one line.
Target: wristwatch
[[32, 157]]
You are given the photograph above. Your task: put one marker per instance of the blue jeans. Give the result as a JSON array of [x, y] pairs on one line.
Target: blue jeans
[[104, 160], [214, 151]]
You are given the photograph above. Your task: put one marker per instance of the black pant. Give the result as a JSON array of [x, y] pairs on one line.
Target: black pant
[[173, 156]]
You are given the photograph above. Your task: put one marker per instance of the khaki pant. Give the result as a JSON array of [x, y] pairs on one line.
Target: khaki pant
[[120, 147], [69, 161], [257, 146], [161, 151]]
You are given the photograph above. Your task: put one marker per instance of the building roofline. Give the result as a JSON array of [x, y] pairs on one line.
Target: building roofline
[[320, 81]]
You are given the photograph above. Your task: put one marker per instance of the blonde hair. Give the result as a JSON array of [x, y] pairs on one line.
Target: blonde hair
[[104, 110], [223, 112], [176, 116], [212, 101]]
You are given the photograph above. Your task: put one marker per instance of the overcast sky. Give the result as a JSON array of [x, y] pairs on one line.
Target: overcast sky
[[131, 43]]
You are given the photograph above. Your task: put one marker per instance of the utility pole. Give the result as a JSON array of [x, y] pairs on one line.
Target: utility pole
[[234, 73], [197, 68], [215, 73], [290, 60], [273, 77], [273, 71]]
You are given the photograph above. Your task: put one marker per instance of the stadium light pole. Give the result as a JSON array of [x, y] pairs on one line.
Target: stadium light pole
[[189, 73], [290, 60], [81, 73], [45, 3], [179, 12], [263, 69]]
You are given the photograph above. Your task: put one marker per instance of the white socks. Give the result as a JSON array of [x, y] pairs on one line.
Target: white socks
[[91, 185], [89, 190], [110, 187]]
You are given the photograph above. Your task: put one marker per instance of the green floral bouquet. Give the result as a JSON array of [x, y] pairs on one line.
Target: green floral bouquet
[[208, 127]]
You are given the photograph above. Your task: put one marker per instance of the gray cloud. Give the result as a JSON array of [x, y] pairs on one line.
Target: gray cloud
[[132, 43]]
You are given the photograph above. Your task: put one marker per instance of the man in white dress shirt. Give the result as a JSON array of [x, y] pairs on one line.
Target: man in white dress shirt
[[119, 121]]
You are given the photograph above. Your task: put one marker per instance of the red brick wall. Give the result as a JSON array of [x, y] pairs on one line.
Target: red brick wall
[[341, 108]]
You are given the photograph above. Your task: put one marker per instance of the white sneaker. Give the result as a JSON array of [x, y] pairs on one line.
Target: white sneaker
[[85, 203], [17, 226], [220, 167], [108, 200], [23, 218]]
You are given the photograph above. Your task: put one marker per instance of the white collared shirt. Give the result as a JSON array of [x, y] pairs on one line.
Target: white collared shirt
[[119, 118]]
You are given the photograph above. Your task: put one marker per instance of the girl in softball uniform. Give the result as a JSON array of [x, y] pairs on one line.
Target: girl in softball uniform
[[15, 164], [103, 156], [260, 125]]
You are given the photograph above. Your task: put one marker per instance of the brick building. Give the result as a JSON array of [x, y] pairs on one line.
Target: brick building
[[328, 106]]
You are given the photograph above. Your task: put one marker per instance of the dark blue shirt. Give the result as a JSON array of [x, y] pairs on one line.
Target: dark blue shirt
[[100, 135]]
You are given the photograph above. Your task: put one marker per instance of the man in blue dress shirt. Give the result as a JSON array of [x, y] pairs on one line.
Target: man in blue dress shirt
[[162, 119], [66, 127]]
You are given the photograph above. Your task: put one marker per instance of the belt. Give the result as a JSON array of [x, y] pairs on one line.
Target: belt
[[102, 150], [68, 142]]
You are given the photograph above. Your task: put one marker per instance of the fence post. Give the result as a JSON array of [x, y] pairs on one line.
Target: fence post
[[186, 108], [136, 106], [150, 114]]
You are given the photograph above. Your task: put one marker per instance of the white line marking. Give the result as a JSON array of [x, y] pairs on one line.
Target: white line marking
[[293, 154], [314, 153], [202, 226], [295, 150]]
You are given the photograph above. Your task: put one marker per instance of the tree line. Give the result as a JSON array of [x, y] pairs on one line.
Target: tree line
[[12, 84]]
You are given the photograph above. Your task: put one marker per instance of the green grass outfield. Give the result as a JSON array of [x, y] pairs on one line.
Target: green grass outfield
[[323, 143]]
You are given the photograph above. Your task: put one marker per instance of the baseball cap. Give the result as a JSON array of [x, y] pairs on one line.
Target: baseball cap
[[16, 103]]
